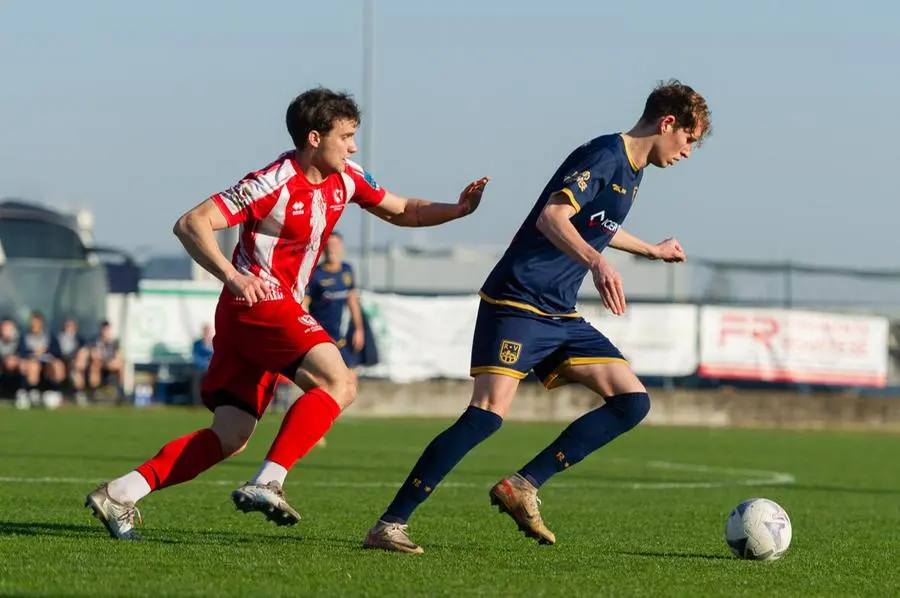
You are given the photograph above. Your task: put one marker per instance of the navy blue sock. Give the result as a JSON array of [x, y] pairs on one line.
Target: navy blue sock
[[439, 457], [586, 434]]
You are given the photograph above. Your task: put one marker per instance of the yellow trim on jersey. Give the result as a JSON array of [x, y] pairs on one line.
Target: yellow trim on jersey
[[493, 369], [627, 153], [554, 380], [571, 196], [525, 306]]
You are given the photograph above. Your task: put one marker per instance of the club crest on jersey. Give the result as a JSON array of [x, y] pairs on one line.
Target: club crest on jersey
[[348, 279], [510, 351], [600, 219]]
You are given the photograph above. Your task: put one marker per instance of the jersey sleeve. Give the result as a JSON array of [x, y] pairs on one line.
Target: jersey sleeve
[[586, 177], [250, 199], [362, 186]]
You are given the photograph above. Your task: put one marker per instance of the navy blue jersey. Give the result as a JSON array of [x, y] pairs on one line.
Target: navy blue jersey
[[328, 291], [600, 180], [33, 344], [64, 345]]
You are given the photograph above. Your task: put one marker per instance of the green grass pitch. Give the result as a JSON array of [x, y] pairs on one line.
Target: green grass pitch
[[642, 517]]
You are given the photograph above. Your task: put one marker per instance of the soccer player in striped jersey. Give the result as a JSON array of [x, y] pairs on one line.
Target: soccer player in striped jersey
[[286, 211]]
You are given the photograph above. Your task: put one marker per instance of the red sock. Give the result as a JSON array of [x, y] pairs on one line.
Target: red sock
[[183, 459], [304, 425]]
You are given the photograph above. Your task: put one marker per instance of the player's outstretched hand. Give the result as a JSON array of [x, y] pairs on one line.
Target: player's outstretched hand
[[670, 251], [609, 285], [470, 197], [251, 288]]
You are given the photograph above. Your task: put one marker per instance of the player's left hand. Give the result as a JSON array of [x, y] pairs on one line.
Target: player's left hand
[[669, 251], [358, 340], [470, 197]]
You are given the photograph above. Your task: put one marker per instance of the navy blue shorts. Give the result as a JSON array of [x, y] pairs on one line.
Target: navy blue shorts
[[512, 342]]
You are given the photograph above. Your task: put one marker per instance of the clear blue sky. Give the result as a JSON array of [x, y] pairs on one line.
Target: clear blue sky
[[140, 110]]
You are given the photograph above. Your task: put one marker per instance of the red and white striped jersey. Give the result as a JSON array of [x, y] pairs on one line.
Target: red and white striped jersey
[[285, 220]]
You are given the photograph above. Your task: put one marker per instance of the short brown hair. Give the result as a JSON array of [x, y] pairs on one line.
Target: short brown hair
[[317, 110], [681, 101]]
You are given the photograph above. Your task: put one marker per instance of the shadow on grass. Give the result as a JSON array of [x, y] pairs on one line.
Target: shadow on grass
[[162, 536], [677, 555]]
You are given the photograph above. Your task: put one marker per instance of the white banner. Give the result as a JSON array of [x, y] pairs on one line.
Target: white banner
[[431, 337], [793, 346], [658, 340], [162, 323], [420, 337]]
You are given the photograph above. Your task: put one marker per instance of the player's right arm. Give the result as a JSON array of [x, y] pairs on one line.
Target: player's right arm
[[252, 198], [555, 223], [196, 231]]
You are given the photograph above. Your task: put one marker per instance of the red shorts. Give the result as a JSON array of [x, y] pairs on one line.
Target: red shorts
[[252, 347]]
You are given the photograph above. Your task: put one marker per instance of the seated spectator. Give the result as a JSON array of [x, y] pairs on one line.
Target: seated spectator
[[201, 354], [105, 361], [10, 376], [34, 356], [70, 359]]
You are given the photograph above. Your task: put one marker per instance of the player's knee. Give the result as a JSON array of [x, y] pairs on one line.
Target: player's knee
[[342, 388], [631, 408], [239, 449], [233, 440], [234, 429]]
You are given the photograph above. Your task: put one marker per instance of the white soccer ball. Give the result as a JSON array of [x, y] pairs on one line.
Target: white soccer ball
[[52, 399], [758, 529]]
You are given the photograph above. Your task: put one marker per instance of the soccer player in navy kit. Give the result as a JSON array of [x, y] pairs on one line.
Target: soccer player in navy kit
[[331, 294], [527, 320]]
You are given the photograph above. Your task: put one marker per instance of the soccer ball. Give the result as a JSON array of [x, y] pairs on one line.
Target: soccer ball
[[758, 529], [51, 399]]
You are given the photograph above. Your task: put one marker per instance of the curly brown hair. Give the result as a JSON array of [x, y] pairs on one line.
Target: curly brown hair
[[674, 98], [317, 110]]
